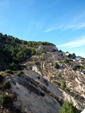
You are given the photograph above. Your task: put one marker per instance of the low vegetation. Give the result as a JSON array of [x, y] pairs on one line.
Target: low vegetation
[[63, 85], [56, 65], [68, 107], [73, 55], [42, 57], [42, 51], [9, 71], [66, 60], [77, 67], [61, 61], [54, 81], [13, 66], [36, 44], [34, 59], [6, 85], [4, 99], [83, 66], [67, 89], [19, 73], [42, 93]]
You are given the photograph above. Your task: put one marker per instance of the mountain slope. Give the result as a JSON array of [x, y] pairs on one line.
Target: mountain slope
[[36, 77]]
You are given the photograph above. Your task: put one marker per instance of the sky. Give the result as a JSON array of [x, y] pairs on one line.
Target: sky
[[61, 22]]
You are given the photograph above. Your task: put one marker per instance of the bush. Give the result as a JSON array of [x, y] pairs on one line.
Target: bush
[[9, 71], [13, 66], [42, 93], [48, 61], [77, 67], [6, 85], [54, 81], [42, 51], [34, 59], [19, 73], [83, 66], [56, 65], [73, 55], [4, 99], [42, 57], [33, 51], [66, 60], [61, 61], [63, 84], [68, 108], [1, 78], [67, 89], [74, 68]]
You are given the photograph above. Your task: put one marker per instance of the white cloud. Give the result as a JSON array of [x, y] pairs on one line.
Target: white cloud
[[73, 44], [54, 28], [81, 26], [48, 30], [75, 26], [65, 27]]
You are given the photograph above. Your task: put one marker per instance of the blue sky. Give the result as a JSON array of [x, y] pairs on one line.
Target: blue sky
[[61, 22]]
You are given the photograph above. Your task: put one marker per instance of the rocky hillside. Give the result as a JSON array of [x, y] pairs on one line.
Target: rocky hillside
[[36, 77]]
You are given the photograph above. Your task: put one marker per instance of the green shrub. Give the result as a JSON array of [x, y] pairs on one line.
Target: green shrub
[[67, 89], [77, 67], [6, 85], [33, 51], [61, 61], [19, 73], [74, 68], [74, 55], [42, 51], [66, 60], [4, 99], [68, 108], [9, 71], [56, 65], [83, 66], [53, 81], [34, 59], [13, 66], [48, 61], [42, 57], [63, 84], [42, 93], [1, 78]]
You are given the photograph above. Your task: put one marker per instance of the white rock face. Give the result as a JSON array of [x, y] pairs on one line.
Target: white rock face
[[29, 87], [29, 97], [56, 91], [35, 68]]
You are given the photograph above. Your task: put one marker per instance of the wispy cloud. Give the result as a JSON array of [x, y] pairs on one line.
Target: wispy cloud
[[76, 43], [54, 28], [75, 26], [65, 27], [50, 29]]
